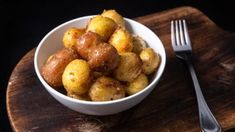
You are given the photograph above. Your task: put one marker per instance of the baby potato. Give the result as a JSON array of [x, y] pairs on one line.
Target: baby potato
[[138, 44], [86, 43], [150, 60], [54, 67], [71, 35], [106, 89], [115, 16], [129, 67], [137, 85], [121, 39], [76, 77], [103, 26], [104, 58], [100, 55]]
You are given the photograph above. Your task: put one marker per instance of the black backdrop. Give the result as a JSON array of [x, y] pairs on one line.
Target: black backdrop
[[23, 24]]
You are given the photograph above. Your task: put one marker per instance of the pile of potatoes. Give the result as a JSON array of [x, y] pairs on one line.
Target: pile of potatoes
[[102, 61]]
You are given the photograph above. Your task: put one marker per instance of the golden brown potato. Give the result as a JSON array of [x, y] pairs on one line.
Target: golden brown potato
[[71, 35], [100, 56], [86, 43], [138, 44], [129, 67], [85, 96], [104, 57], [103, 26], [115, 16], [106, 89], [150, 60], [76, 77], [137, 85], [121, 39], [54, 67]]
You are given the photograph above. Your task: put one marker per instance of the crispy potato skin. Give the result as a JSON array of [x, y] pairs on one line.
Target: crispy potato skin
[[103, 57], [137, 85], [122, 40], [129, 67], [76, 77], [86, 43], [54, 67], [138, 44], [115, 16], [150, 60], [106, 89], [71, 35], [103, 26]]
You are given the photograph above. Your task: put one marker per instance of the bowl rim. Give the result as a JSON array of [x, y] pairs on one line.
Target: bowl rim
[[51, 89]]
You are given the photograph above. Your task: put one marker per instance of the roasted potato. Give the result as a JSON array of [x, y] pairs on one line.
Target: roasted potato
[[137, 85], [150, 60], [138, 44], [85, 96], [103, 26], [77, 77], [100, 55], [106, 89], [71, 35], [115, 16], [104, 57], [129, 67], [86, 43], [121, 39], [54, 67]]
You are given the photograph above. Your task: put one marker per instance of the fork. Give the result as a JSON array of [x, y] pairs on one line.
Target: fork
[[183, 50]]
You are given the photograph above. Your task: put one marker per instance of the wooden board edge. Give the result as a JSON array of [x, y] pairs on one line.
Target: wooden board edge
[[9, 85]]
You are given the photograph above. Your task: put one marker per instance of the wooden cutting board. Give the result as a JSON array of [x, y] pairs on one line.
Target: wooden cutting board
[[170, 107]]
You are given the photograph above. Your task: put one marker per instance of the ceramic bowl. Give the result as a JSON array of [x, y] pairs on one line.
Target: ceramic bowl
[[52, 42]]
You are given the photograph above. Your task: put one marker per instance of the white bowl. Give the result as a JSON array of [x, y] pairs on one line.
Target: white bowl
[[53, 42]]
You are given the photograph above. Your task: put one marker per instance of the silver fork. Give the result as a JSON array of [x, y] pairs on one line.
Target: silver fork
[[183, 50]]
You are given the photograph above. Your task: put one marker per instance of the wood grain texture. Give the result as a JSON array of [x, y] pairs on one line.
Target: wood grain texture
[[170, 107]]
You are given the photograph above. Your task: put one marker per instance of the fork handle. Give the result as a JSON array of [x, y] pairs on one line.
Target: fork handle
[[208, 122]]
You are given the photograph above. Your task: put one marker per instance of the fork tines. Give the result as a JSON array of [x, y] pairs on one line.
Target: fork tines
[[179, 33]]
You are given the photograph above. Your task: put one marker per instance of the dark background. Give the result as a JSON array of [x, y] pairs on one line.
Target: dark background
[[24, 24]]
